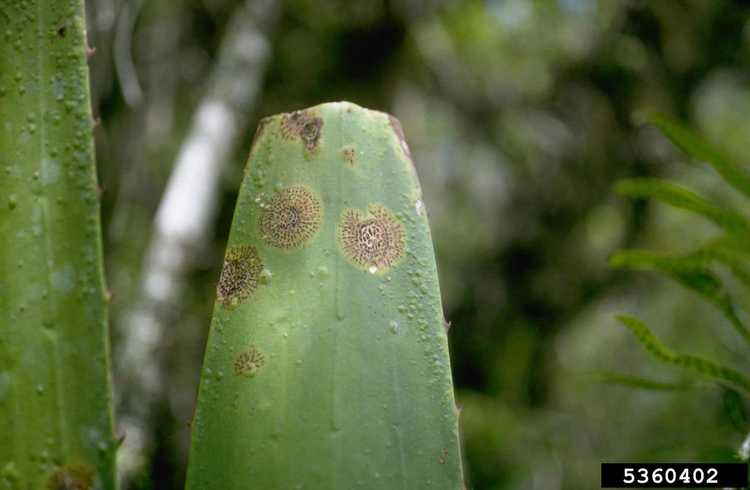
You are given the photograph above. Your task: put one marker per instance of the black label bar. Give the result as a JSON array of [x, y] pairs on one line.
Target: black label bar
[[674, 475]]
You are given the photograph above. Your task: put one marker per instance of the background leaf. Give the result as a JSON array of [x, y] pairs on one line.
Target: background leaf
[[690, 272], [642, 383], [699, 148], [682, 198], [699, 365]]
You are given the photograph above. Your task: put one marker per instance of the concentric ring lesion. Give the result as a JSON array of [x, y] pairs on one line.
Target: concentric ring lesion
[[291, 218], [375, 242], [249, 361], [239, 276]]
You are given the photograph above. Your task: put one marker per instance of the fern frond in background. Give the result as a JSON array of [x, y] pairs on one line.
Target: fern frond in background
[[693, 270]]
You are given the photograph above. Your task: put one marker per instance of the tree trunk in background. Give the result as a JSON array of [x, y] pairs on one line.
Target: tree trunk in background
[[184, 222]]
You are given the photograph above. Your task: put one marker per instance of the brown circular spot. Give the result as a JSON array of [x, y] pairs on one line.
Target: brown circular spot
[[376, 241], [239, 276], [291, 218], [249, 361]]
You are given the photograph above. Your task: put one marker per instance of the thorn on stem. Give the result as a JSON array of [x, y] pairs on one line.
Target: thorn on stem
[[446, 325]]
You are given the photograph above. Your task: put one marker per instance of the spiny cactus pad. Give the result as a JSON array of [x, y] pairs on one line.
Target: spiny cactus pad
[[335, 373]]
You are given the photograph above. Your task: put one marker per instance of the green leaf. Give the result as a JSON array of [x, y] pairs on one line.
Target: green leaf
[[735, 261], [327, 359], [735, 243], [682, 198], [690, 272], [726, 251], [642, 383], [734, 408], [56, 427], [697, 147], [646, 259], [696, 364]]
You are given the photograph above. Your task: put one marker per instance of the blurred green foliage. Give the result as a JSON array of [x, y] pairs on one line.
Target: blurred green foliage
[[521, 116], [695, 270]]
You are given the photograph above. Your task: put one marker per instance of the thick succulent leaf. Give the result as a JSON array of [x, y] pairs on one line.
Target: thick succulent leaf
[[704, 367], [327, 363], [682, 198], [55, 403], [697, 147]]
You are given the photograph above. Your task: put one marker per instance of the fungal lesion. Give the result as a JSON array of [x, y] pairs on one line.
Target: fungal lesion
[[443, 456], [375, 242], [350, 155], [239, 276], [73, 476], [304, 125], [249, 362], [291, 218]]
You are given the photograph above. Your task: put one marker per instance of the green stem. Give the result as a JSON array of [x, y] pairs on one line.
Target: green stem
[[55, 394]]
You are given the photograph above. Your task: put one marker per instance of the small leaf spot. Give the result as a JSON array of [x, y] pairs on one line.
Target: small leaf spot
[[444, 456], [350, 155], [248, 362], [239, 276], [304, 125]]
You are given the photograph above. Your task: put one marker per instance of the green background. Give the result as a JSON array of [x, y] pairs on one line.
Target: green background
[[520, 116]]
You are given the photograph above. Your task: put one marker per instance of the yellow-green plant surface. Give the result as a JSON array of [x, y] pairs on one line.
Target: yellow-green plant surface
[[55, 396], [327, 363]]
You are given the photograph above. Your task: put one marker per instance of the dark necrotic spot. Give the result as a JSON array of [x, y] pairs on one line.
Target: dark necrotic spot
[[375, 241], [304, 125], [291, 218], [310, 131], [350, 155], [444, 456], [249, 361], [239, 277], [74, 476]]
